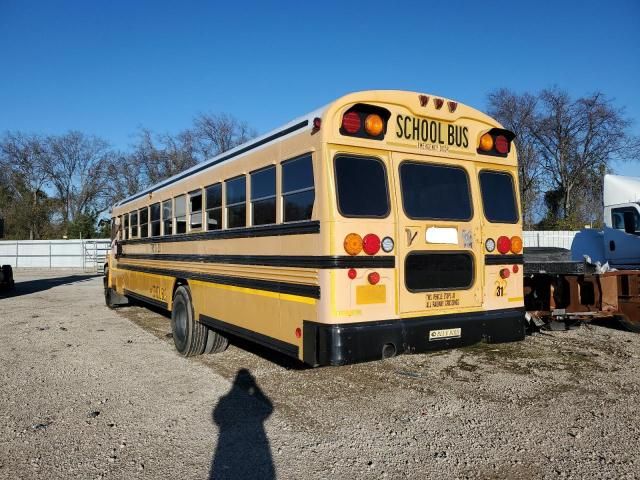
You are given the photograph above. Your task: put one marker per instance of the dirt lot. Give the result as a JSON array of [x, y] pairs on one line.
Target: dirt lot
[[86, 392]]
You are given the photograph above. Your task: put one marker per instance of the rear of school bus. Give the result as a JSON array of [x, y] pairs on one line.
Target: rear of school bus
[[422, 197]]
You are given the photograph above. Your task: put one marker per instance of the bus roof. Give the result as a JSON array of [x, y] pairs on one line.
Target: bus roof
[[295, 126]]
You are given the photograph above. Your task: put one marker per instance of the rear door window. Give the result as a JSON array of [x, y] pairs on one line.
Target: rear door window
[[498, 197], [361, 184], [435, 192]]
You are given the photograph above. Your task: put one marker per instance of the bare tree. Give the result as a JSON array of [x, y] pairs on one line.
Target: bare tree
[[578, 140], [161, 156], [22, 161], [217, 133], [77, 165], [518, 114]]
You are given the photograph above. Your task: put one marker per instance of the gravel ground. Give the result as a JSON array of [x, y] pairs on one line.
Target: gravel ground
[[86, 392]]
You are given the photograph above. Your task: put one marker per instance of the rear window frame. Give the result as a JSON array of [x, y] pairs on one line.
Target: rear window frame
[[386, 184], [467, 253], [514, 190], [472, 212]]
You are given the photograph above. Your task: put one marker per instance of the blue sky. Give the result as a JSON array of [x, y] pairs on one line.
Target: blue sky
[[107, 68]]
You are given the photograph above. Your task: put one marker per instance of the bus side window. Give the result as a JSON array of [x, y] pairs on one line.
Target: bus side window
[[214, 206], [236, 189], [298, 192], [167, 217], [263, 196], [195, 210], [181, 214], [125, 226], [144, 222], [134, 224], [155, 219]]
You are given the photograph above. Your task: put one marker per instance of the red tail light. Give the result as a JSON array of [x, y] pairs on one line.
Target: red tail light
[[502, 144], [371, 244], [504, 273], [373, 277], [504, 244], [365, 121], [352, 273], [351, 122]]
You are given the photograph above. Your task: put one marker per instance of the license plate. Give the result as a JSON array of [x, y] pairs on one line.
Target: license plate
[[444, 334]]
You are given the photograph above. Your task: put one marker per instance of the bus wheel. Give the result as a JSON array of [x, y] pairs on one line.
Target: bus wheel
[[189, 335], [632, 325], [216, 343]]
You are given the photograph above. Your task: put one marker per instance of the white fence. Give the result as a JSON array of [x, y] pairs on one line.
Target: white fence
[[549, 238], [84, 254]]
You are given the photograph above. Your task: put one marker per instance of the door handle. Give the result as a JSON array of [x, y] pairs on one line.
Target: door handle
[[612, 245]]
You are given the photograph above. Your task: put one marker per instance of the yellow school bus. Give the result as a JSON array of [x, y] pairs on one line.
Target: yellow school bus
[[384, 223]]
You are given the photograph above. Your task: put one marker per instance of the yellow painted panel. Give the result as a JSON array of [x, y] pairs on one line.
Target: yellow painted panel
[[367, 294]]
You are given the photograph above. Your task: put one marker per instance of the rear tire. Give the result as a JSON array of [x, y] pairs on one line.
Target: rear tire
[[626, 322], [189, 335], [216, 343], [7, 273]]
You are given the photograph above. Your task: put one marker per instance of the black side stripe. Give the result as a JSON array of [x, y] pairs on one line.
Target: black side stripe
[[300, 228], [503, 259], [311, 291], [144, 298], [323, 262], [264, 340], [206, 165]]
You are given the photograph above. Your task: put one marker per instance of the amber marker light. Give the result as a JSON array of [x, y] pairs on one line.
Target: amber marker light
[[373, 124], [353, 244], [516, 244], [486, 142]]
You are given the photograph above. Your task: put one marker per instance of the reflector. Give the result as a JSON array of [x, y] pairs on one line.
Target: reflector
[[373, 277]]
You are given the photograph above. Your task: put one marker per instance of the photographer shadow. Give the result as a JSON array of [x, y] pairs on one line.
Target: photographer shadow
[[243, 449]]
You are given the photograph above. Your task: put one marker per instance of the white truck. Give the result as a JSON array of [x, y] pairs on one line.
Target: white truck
[[600, 276]]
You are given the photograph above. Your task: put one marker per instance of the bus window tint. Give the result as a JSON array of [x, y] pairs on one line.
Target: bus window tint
[[298, 192], [125, 226], [134, 224], [214, 206], [435, 192], [181, 214], [263, 196], [155, 219], [167, 217], [195, 209], [236, 202], [355, 176], [498, 197]]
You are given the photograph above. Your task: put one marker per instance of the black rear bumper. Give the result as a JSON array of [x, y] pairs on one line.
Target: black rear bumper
[[345, 343]]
